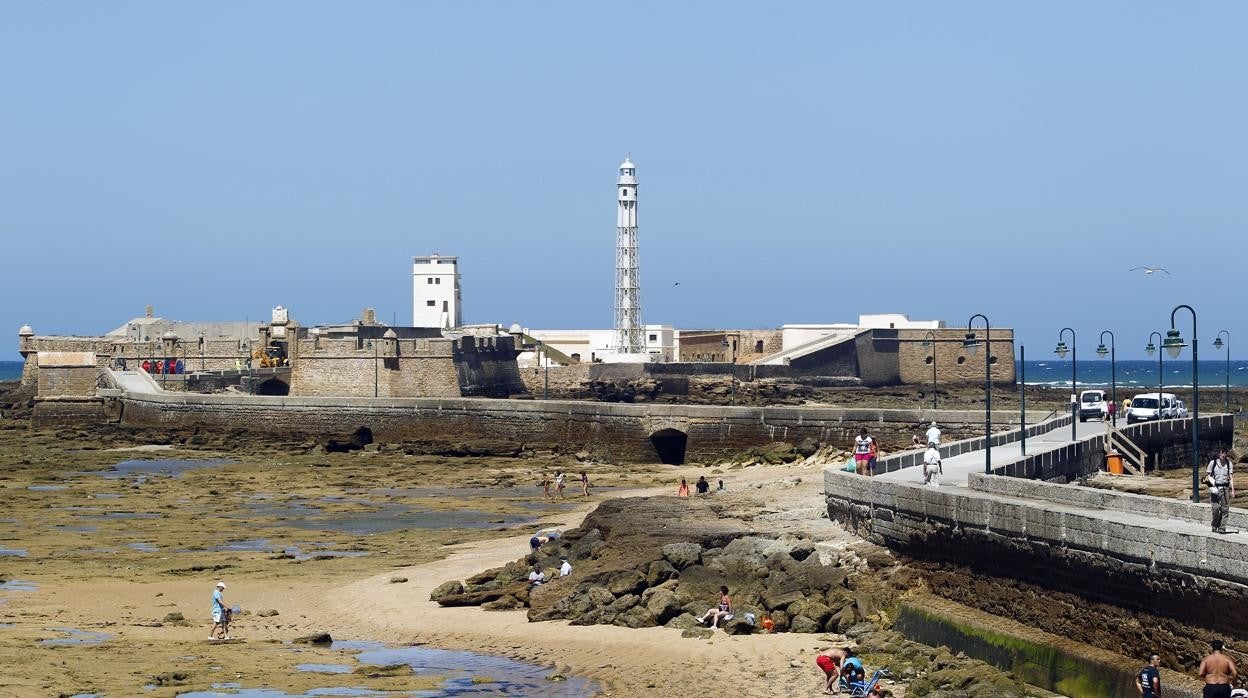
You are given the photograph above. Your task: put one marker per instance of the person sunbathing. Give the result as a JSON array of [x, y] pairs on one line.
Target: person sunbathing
[[721, 612]]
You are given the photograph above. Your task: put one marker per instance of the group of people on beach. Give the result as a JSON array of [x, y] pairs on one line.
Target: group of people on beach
[[702, 486], [559, 484]]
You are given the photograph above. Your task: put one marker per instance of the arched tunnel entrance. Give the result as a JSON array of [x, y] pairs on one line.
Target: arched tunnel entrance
[[669, 444], [273, 386]]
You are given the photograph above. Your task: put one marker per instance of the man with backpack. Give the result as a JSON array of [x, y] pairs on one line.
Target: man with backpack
[[1220, 477]]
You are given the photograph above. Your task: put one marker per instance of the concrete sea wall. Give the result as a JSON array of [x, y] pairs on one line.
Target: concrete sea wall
[[610, 432]]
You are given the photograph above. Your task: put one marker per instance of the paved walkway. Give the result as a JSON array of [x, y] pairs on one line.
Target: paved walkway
[[956, 468]]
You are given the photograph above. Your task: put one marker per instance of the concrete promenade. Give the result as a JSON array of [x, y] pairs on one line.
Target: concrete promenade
[[957, 468]]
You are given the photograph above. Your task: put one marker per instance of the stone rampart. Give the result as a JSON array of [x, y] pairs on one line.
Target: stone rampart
[[1114, 555], [611, 432]]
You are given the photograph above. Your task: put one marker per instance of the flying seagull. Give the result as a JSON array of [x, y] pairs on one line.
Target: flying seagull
[[1148, 271]]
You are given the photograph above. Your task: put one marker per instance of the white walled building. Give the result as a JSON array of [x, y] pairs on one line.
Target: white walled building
[[435, 292], [660, 342]]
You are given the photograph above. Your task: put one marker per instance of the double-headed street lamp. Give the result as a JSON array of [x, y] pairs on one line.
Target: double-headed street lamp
[[1217, 343], [971, 344], [1074, 385], [1101, 351], [1174, 345], [930, 340]]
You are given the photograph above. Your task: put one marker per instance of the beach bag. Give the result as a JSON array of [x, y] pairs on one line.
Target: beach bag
[[851, 467]]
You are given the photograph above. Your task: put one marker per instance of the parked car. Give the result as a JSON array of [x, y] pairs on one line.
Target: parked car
[[1180, 410], [1092, 405], [1150, 406]]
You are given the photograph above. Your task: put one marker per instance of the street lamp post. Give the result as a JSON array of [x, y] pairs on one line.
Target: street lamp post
[[930, 339], [541, 349], [1174, 344], [1217, 343], [729, 347], [1149, 350], [970, 345], [1022, 399], [1113, 371], [201, 351], [373, 346], [1074, 377]]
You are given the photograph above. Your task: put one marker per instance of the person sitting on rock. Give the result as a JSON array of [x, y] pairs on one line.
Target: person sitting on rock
[[537, 576], [565, 568], [721, 612]]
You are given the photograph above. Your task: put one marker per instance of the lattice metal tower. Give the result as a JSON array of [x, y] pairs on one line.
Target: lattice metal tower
[[629, 336]]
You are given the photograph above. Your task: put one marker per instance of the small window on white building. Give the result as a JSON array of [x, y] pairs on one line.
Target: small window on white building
[[437, 280], [429, 281], [431, 303], [654, 338]]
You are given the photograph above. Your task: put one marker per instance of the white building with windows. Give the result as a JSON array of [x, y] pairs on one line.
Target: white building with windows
[[435, 292]]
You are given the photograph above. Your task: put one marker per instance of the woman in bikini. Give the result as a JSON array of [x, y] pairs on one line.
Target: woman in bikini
[[723, 610], [683, 490]]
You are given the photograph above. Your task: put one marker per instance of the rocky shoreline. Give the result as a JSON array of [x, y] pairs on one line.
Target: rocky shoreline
[[659, 561]]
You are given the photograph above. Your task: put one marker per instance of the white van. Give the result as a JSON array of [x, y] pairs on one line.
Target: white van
[[1092, 405], [1150, 406]]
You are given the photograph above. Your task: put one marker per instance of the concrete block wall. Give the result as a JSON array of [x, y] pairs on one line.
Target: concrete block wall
[[1095, 498], [67, 381], [1188, 573]]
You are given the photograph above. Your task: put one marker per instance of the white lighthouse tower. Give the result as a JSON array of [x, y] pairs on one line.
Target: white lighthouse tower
[[629, 335]]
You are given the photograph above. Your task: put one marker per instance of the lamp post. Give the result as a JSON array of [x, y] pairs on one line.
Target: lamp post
[[1113, 370], [1149, 350], [373, 345], [1022, 399], [971, 344], [1217, 343], [930, 339], [201, 350], [1074, 378], [541, 348], [1174, 345], [247, 349], [726, 346]]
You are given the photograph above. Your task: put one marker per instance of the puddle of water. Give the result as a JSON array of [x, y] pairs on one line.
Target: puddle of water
[[508, 677], [266, 545], [46, 488], [122, 516], [12, 552], [143, 547], [383, 518], [5, 625], [1041, 665], [18, 585], [325, 668], [168, 467], [106, 495], [76, 529], [76, 637]]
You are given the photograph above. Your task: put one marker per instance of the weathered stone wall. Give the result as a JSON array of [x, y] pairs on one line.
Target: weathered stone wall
[[1185, 573], [486, 367], [401, 368], [565, 382], [211, 354], [611, 432], [954, 366], [67, 381]]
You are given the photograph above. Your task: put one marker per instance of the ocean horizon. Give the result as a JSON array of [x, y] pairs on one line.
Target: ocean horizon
[[1096, 373], [10, 370]]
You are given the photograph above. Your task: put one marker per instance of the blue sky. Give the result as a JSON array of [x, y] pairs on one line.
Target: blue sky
[[800, 162]]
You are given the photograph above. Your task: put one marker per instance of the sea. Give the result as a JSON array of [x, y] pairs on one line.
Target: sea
[[10, 370], [1135, 374]]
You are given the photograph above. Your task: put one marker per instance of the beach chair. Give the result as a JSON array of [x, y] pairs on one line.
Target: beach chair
[[862, 689]]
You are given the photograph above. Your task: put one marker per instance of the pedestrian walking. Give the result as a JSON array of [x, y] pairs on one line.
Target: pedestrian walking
[[559, 484], [1218, 671], [220, 614], [862, 451], [545, 486], [1148, 679], [933, 434], [932, 466], [1220, 477], [584, 483]]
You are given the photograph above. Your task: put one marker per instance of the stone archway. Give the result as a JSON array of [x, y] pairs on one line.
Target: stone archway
[[669, 445], [273, 386]]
